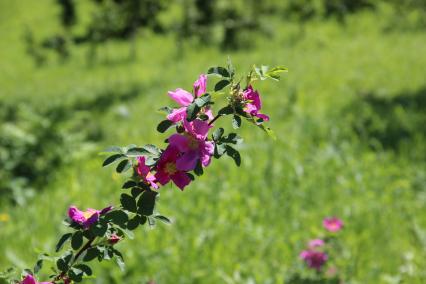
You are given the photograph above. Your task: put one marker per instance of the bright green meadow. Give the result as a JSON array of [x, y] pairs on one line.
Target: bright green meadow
[[350, 121]]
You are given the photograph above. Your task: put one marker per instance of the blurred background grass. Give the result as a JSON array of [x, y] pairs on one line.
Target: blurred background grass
[[350, 119]]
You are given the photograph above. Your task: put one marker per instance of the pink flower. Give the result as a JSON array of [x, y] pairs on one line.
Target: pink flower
[[184, 99], [145, 172], [332, 224], [88, 217], [253, 103], [314, 259], [113, 239], [167, 169], [316, 243], [29, 279]]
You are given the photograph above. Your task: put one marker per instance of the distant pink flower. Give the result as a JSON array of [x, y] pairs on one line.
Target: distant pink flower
[[314, 259], [185, 98], [253, 103], [145, 172], [316, 243], [332, 224], [88, 217], [167, 169], [113, 239], [29, 279]]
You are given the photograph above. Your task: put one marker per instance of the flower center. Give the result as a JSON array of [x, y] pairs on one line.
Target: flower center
[[170, 168], [88, 214], [192, 143]]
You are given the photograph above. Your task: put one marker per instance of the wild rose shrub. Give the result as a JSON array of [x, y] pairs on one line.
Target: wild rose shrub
[[319, 256], [189, 149]]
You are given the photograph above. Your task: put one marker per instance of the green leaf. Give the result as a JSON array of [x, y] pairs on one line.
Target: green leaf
[[236, 122], [226, 110], [217, 134], [191, 111], [234, 154], [128, 202], [129, 184], [63, 262], [62, 241], [164, 125], [198, 168], [120, 262], [221, 84], [203, 100], [133, 223], [38, 266], [123, 166], [112, 159], [163, 219], [118, 217], [99, 229], [135, 152], [221, 71], [136, 191], [113, 149], [274, 73], [91, 254], [166, 109], [191, 176], [151, 150], [84, 268], [77, 240], [75, 274], [146, 202], [219, 150]]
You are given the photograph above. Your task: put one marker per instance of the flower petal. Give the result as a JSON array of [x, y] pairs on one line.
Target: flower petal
[[181, 96], [188, 161], [76, 215], [206, 152], [200, 85], [179, 141], [181, 179], [29, 279], [177, 114], [162, 177]]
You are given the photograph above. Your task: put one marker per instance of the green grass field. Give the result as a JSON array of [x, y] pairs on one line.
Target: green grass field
[[351, 126]]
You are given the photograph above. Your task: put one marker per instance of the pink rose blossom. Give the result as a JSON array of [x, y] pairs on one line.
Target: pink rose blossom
[[253, 103], [145, 172], [167, 168], [88, 217], [184, 99], [314, 259], [316, 243], [29, 279], [332, 224]]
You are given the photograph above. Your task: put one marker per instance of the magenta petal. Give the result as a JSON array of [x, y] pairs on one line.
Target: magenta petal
[[162, 177], [181, 179], [106, 210], [206, 152], [29, 279], [200, 85], [181, 96], [198, 128], [93, 219], [76, 215], [263, 116], [177, 115], [188, 161], [179, 141]]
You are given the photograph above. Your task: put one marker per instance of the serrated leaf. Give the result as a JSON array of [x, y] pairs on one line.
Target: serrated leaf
[[118, 217], [234, 154], [129, 184], [84, 268], [135, 152], [219, 150], [221, 84], [133, 223], [217, 134], [221, 71], [191, 111], [202, 101], [123, 166], [146, 202], [62, 241], [164, 125], [151, 150], [99, 229], [112, 159], [91, 254], [128, 202], [236, 121], [77, 240], [163, 219], [226, 110]]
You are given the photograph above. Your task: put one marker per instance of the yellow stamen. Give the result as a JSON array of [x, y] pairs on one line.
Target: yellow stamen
[[170, 168]]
